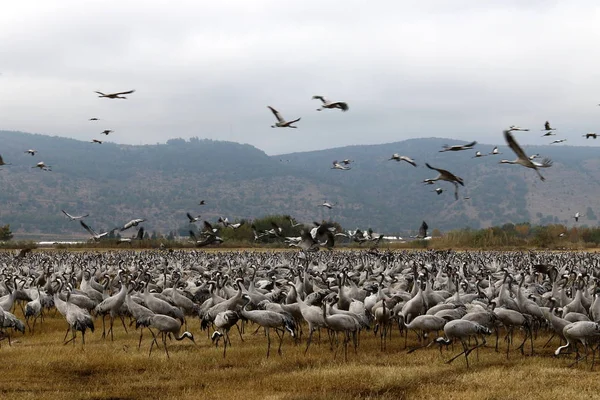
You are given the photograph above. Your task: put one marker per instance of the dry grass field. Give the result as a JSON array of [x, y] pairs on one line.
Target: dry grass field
[[39, 366]]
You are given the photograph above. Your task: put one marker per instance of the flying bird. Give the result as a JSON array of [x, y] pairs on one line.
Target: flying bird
[[590, 135], [522, 158], [458, 147], [331, 104], [73, 218], [448, 177], [495, 151], [547, 127], [576, 216], [202, 202], [133, 222], [439, 191], [397, 157], [192, 219], [549, 133], [95, 236], [423, 230], [328, 205], [2, 162], [96, 141], [337, 165], [281, 123], [94, 119], [558, 141], [41, 166], [114, 95], [347, 161], [516, 128], [106, 132], [478, 155], [31, 151]]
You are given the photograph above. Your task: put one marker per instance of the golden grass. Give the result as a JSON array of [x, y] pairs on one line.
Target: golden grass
[[38, 366]]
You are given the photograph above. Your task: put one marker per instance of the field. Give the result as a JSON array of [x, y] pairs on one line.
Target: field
[[39, 366]]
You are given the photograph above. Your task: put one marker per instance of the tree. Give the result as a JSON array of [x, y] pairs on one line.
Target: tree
[[5, 233]]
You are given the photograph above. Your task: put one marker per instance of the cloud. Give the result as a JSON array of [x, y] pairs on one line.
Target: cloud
[[462, 69]]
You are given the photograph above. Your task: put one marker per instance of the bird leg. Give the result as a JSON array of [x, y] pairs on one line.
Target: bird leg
[[123, 321], [165, 344]]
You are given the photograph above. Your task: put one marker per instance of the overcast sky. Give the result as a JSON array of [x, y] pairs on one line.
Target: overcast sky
[[460, 69]]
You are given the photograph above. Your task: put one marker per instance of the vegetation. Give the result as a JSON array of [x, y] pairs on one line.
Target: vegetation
[[5, 233], [39, 366]]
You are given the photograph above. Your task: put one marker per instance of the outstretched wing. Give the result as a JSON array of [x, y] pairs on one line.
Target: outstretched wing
[[470, 144], [341, 105], [512, 143], [100, 93], [87, 228], [190, 217], [435, 169], [129, 92], [208, 227], [423, 229], [140, 234], [315, 97], [67, 214], [276, 113]]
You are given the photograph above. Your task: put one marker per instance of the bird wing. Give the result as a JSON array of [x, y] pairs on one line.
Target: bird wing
[[67, 214], [276, 113], [140, 234], [409, 160], [320, 98], [87, 228], [470, 144], [208, 227], [341, 105], [512, 143], [193, 236], [190, 217], [423, 229], [547, 125], [116, 94], [100, 93]]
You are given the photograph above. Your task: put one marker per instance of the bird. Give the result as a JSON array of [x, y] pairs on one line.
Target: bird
[[516, 128], [347, 161], [439, 191], [423, 230], [397, 157], [31, 151], [495, 151], [78, 319], [549, 133], [202, 202], [586, 332], [281, 123], [106, 132], [133, 222], [72, 218], [96, 141], [224, 321], [328, 205], [331, 104], [95, 236], [166, 325], [41, 165], [558, 141], [337, 165], [576, 216], [522, 158], [547, 127], [114, 95], [462, 330], [2, 161], [447, 176], [269, 319], [94, 119], [458, 147], [193, 219], [478, 155], [591, 135]]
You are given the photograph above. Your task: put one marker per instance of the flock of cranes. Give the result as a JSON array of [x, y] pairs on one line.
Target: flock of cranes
[[433, 298]]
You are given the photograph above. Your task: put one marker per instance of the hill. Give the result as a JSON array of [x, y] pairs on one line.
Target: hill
[[115, 183]]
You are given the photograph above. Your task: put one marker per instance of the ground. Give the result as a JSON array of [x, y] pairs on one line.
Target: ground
[[39, 366]]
